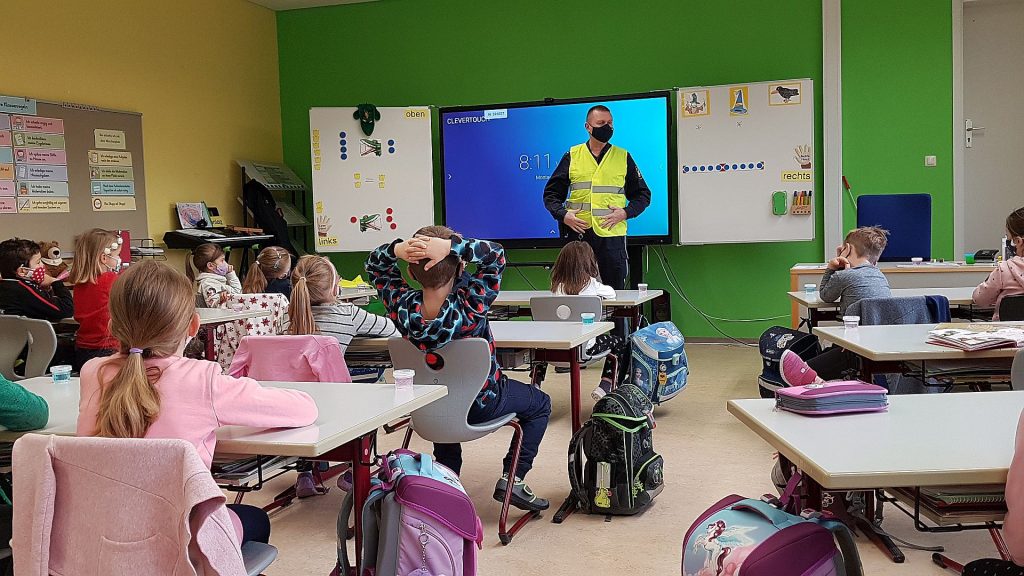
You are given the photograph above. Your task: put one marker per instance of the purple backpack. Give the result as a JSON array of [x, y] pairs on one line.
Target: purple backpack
[[418, 521], [751, 537]]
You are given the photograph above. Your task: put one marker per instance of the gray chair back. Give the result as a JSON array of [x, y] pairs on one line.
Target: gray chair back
[[564, 308], [464, 366], [15, 333], [890, 311], [1011, 308]]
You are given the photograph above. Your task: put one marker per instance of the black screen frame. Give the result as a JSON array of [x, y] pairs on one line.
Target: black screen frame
[[547, 242]]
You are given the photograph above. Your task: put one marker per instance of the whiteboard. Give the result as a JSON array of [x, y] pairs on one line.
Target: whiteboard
[[369, 190], [737, 146]]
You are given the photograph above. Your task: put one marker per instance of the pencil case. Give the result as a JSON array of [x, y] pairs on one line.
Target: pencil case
[[838, 397]]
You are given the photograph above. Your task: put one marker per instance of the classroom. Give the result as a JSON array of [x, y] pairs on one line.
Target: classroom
[[743, 292]]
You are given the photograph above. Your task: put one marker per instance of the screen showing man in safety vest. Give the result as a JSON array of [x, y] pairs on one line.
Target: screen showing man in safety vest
[[593, 191]]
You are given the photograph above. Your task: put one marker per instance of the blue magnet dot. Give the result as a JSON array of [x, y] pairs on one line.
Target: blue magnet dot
[[760, 164], [751, 164], [694, 168], [391, 150], [344, 149], [343, 142], [702, 168], [733, 166], [686, 169], [341, 134], [725, 167], [743, 166], [344, 156], [391, 142]]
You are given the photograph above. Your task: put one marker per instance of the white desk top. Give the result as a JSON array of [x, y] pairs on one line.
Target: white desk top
[[622, 298], [221, 315], [347, 411], [901, 342], [538, 335], [905, 267], [957, 296], [357, 292], [923, 440]]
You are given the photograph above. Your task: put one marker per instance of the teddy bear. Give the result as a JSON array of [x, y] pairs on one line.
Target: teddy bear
[[54, 264]]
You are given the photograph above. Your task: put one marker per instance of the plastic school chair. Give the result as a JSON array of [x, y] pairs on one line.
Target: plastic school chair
[[557, 308], [462, 366], [120, 506], [1011, 308], [17, 332]]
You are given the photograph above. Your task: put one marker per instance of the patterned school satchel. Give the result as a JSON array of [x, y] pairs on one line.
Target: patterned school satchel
[[659, 365]]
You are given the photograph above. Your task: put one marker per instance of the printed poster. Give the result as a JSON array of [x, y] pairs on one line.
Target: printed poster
[[40, 156], [33, 140], [8, 205], [5, 120], [5, 138], [111, 173], [34, 205], [7, 189], [785, 94], [15, 105], [112, 139], [6, 171], [37, 124], [113, 188], [739, 97], [55, 172], [113, 203], [42, 189], [696, 103], [109, 158]]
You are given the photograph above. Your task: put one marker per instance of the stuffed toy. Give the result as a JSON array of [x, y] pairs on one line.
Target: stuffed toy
[[367, 115], [52, 261]]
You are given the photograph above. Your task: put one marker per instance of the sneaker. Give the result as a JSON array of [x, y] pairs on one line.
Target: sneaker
[[306, 487], [796, 372], [522, 496]]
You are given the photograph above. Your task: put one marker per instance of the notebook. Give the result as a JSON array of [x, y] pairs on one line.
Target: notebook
[[973, 340], [838, 397]]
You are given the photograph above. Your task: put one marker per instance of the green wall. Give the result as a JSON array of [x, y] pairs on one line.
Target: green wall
[[469, 52], [898, 105]]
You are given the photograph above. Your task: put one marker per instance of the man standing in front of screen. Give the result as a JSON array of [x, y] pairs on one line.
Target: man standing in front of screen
[[593, 191]]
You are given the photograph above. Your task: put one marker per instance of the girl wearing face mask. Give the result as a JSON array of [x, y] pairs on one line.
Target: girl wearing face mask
[[217, 278], [25, 287], [1008, 277], [148, 390], [97, 263]]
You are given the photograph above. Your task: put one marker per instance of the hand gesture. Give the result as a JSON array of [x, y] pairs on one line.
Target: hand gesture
[[323, 225], [230, 269], [617, 215], [412, 250], [802, 155], [576, 224], [838, 263], [434, 249]]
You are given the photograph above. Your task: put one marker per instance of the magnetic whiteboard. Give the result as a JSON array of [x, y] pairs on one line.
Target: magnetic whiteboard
[[369, 190], [738, 145]]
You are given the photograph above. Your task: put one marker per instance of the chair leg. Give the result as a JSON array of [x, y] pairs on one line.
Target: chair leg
[[408, 438], [997, 539], [505, 534], [944, 562]]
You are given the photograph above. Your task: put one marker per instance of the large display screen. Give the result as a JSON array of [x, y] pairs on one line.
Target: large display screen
[[497, 159]]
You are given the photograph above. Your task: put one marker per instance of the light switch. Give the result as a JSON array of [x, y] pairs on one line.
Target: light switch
[[929, 160]]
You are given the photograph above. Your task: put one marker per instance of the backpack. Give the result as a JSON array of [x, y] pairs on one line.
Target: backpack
[[417, 520], [751, 537], [774, 341], [659, 361], [613, 468]]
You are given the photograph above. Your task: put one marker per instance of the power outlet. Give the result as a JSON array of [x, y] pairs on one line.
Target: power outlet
[[929, 161]]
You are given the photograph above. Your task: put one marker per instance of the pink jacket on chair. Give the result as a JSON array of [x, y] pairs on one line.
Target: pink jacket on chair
[[290, 359], [118, 506]]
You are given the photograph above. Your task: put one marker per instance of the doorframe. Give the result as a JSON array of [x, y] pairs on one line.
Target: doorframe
[[959, 130], [832, 123]]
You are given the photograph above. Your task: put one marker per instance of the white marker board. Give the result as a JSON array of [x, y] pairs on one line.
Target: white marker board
[[737, 146], [370, 189]]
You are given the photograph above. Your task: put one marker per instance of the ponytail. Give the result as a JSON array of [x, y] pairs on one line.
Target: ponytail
[[129, 403], [255, 280], [300, 310]]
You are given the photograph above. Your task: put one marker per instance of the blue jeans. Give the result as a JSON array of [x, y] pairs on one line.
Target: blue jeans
[[532, 408]]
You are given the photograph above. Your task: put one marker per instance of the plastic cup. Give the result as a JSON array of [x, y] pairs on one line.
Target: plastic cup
[[969, 258], [587, 317], [404, 378], [851, 321], [810, 289], [917, 260], [642, 288], [61, 374]]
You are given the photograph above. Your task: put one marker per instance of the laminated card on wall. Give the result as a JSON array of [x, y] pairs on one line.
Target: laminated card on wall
[[369, 189]]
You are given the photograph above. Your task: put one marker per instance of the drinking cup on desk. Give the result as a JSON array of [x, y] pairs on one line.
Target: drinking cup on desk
[[810, 289], [969, 258], [851, 322], [587, 317], [404, 378], [61, 374], [642, 288], [917, 260]]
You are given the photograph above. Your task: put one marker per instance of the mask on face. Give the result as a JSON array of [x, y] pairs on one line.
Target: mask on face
[[222, 269], [602, 133], [38, 274]]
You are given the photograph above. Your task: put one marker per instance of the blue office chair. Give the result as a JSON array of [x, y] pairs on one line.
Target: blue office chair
[[907, 217]]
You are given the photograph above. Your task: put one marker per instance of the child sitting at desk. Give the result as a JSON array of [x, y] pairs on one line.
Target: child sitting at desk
[[576, 273], [270, 273], [97, 263], [148, 390], [216, 277], [1008, 277], [25, 287], [452, 305], [853, 274]]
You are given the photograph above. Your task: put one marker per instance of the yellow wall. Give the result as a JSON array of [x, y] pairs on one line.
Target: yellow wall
[[203, 73]]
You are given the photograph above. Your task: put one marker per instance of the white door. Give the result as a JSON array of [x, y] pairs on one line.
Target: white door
[[994, 103]]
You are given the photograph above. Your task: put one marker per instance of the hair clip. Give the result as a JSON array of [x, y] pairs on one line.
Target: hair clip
[[135, 350]]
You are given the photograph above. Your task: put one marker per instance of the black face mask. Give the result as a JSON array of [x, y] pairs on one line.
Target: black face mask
[[602, 133]]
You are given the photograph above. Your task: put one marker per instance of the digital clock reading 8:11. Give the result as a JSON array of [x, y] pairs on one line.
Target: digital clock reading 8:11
[[535, 162]]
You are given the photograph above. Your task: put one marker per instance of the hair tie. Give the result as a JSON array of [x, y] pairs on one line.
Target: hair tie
[[135, 350]]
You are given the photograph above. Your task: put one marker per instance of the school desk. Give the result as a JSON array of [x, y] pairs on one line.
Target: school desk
[[818, 311], [903, 447], [627, 303], [902, 275], [344, 431]]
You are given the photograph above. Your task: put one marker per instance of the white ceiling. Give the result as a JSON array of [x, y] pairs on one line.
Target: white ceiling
[[293, 4]]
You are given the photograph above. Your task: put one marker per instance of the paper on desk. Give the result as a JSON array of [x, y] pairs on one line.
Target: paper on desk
[[808, 266], [355, 283]]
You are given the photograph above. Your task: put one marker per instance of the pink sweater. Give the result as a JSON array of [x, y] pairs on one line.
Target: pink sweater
[[1006, 280], [196, 399]]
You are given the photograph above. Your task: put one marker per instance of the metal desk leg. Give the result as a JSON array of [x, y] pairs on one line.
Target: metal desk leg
[[569, 506], [814, 492], [359, 452]]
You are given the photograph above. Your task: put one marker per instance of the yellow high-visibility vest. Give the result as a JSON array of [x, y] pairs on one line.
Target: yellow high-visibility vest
[[594, 189]]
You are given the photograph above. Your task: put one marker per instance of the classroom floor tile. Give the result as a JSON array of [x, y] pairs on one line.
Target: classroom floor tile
[[708, 454]]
